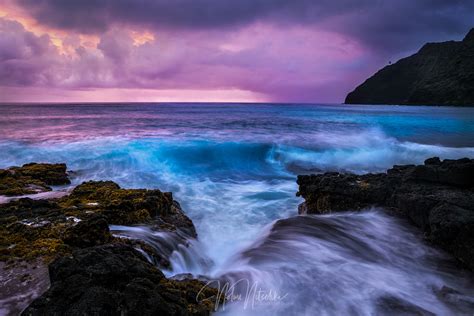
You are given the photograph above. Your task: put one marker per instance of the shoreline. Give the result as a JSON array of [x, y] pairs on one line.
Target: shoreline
[[52, 232], [86, 233]]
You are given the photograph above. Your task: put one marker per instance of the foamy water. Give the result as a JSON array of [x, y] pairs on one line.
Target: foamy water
[[233, 169]]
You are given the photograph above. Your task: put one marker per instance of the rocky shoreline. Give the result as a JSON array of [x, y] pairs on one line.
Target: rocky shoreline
[[92, 271], [62, 250], [438, 197]]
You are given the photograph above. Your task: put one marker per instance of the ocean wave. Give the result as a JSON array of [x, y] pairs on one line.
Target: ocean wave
[[233, 170], [120, 158], [227, 188]]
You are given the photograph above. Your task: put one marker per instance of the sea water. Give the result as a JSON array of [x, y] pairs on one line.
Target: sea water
[[233, 168]]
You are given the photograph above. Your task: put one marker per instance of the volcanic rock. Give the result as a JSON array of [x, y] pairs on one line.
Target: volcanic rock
[[438, 197], [115, 279], [32, 178]]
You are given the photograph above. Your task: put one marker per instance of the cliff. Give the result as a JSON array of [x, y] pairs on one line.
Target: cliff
[[438, 74]]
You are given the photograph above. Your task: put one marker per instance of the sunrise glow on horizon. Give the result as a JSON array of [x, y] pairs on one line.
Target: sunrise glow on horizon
[[241, 51]]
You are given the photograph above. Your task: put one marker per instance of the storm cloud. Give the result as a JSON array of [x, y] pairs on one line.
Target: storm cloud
[[287, 51], [384, 25]]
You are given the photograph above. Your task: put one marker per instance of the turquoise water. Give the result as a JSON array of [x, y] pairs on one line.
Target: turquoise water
[[234, 163], [233, 167]]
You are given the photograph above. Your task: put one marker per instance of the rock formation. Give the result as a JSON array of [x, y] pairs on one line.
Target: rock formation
[[91, 270], [438, 74], [438, 197], [115, 279], [32, 178]]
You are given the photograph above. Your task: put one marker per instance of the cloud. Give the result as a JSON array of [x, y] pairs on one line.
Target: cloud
[[383, 25], [24, 57], [297, 50], [291, 64]]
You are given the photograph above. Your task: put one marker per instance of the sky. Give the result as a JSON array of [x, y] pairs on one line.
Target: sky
[[211, 50]]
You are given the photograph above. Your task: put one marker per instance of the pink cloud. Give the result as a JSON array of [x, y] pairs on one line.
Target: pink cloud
[[296, 63], [298, 50]]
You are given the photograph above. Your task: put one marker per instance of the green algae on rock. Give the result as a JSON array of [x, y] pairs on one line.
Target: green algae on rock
[[32, 178], [91, 270], [46, 228], [127, 206], [32, 229]]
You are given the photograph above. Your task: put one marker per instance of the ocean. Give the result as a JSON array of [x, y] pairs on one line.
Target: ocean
[[233, 168]]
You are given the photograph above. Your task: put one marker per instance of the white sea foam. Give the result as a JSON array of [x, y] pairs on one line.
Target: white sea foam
[[233, 170]]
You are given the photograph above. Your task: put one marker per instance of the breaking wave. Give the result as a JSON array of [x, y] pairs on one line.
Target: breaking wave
[[233, 170]]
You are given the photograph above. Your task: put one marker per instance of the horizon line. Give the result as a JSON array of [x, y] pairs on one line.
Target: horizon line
[[169, 102]]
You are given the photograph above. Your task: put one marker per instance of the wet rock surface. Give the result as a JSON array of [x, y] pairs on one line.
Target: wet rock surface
[[92, 271], [438, 197], [92, 232], [128, 206], [45, 228], [27, 280], [394, 306], [32, 178]]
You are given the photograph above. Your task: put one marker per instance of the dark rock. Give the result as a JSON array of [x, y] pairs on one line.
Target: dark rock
[[390, 305], [32, 178], [93, 272], [433, 161], [51, 174], [438, 74], [454, 298], [453, 227], [87, 233], [128, 206], [437, 196], [117, 280], [452, 172], [158, 258], [46, 228], [457, 172]]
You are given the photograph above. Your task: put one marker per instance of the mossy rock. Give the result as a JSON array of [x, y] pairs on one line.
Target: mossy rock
[[91, 232], [51, 174], [32, 178], [18, 241], [47, 228], [127, 206], [92, 271]]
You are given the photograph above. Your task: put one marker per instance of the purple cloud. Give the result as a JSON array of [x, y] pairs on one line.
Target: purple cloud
[[297, 50], [292, 64], [396, 26], [24, 57]]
